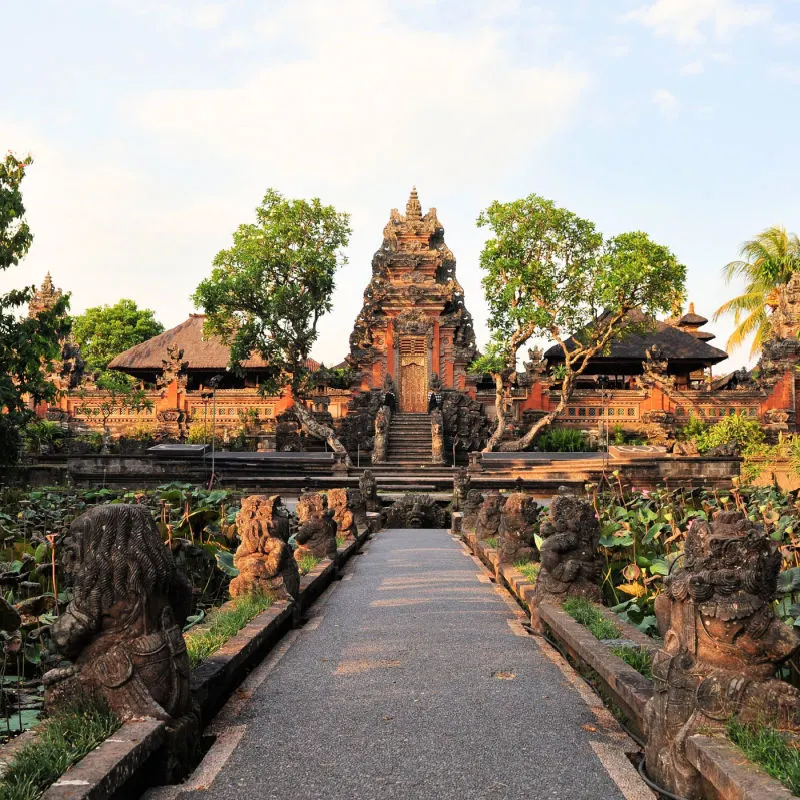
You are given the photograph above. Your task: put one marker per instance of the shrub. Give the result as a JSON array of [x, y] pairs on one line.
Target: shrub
[[141, 431], [199, 433], [41, 434], [562, 440], [744, 432]]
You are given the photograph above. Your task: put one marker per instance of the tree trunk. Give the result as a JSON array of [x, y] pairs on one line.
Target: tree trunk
[[319, 431], [567, 386], [500, 408]]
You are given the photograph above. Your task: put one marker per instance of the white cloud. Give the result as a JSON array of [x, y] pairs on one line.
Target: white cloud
[[372, 97], [182, 13], [687, 21], [784, 72], [693, 68], [666, 102], [787, 33]]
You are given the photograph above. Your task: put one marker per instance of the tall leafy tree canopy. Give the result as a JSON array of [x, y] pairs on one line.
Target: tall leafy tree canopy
[[103, 332], [267, 292], [550, 274], [28, 345], [766, 262]]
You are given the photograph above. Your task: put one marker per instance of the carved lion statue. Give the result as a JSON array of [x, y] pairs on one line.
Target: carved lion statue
[[487, 523], [122, 629], [722, 645], [519, 523], [265, 561], [317, 533], [339, 503]]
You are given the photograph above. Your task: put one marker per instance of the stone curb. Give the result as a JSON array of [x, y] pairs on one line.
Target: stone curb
[[727, 774], [111, 766]]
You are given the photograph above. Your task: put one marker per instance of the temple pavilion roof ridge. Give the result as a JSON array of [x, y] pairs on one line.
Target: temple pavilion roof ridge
[[675, 344], [202, 352]]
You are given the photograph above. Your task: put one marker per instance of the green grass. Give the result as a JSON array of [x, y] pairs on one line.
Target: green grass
[[63, 740], [341, 541], [638, 658], [222, 625], [585, 613], [491, 542], [770, 750], [530, 569], [306, 563]]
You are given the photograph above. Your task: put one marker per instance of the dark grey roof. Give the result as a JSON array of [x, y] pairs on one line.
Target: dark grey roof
[[676, 345]]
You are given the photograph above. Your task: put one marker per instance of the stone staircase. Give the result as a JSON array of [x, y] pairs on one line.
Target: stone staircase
[[410, 440]]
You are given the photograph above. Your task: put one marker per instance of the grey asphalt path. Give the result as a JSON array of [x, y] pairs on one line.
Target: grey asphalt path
[[414, 679]]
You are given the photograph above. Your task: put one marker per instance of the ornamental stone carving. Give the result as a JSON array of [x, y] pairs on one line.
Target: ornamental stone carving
[[264, 559], [339, 503], [571, 565], [487, 524], [122, 628], [461, 487], [416, 511], [369, 490], [722, 645], [316, 534], [472, 506], [519, 523]]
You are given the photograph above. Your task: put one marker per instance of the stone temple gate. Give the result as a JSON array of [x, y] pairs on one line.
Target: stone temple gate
[[414, 321]]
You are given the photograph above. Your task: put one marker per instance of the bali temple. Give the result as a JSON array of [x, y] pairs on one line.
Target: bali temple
[[414, 322], [414, 335]]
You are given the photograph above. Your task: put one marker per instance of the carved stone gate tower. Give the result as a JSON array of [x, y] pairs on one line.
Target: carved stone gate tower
[[414, 321]]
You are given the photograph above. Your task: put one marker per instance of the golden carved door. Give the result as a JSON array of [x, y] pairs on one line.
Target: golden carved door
[[413, 375]]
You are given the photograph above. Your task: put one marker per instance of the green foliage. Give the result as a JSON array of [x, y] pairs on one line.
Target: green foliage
[[530, 569], [770, 749], [267, 292], [491, 542], [767, 262], [548, 273], [744, 432], [63, 741], [307, 563], [562, 440], [42, 433], [222, 625], [585, 613], [637, 657], [199, 433], [103, 332], [28, 346]]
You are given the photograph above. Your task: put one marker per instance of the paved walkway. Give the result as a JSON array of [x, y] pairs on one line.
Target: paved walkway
[[414, 679]]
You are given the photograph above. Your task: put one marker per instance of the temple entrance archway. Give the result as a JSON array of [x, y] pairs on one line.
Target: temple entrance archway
[[413, 374]]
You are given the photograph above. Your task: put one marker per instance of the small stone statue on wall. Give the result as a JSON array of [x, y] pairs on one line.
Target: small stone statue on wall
[[437, 437], [722, 645], [487, 524], [122, 628], [570, 563], [264, 559], [369, 490], [381, 440], [461, 484], [355, 500], [519, 524], [342, 513], [316, 535], [471, 509]]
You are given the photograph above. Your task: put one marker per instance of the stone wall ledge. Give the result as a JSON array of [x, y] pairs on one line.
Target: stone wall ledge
[[111, 765], [726, 772], [120, 761], [728, 775]]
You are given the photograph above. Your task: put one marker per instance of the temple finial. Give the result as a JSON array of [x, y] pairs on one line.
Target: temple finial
[[413, 207]]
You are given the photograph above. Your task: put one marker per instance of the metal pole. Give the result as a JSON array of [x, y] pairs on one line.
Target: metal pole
[[213, 439]]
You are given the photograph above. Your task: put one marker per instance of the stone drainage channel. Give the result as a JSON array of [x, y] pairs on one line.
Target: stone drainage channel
[[414, 677]]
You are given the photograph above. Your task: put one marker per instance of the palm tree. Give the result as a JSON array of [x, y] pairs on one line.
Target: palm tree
[[767, 262]]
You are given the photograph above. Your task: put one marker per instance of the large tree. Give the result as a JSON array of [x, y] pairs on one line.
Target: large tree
[[550, 274], [103, 332], [766, 262], [267, 292], [28, 345]]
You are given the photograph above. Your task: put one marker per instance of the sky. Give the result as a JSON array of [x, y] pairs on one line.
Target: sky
[[156, 127]]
